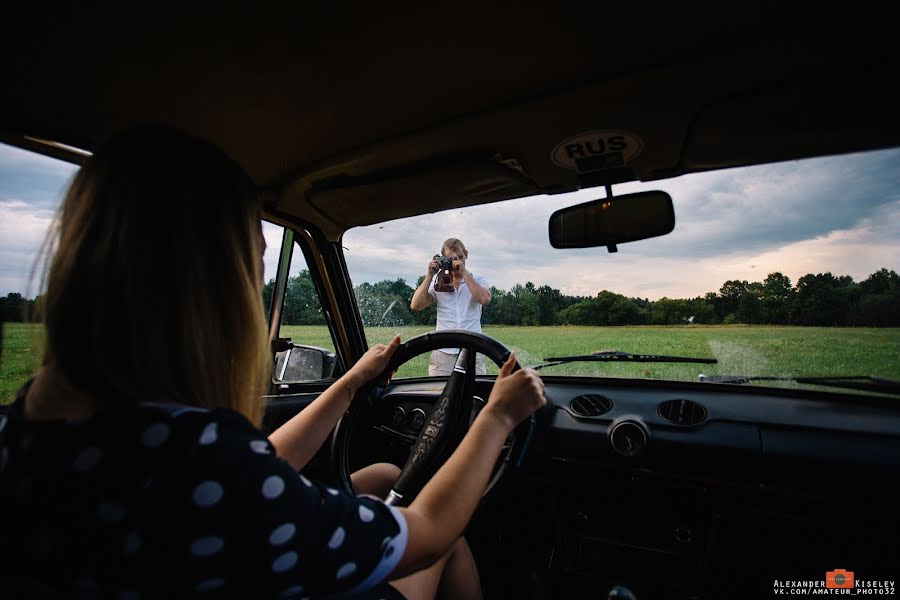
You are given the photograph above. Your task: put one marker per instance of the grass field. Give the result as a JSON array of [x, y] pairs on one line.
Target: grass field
[[741, 350]]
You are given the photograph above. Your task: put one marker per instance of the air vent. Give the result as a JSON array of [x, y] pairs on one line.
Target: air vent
[[591, 405], [682, 412]]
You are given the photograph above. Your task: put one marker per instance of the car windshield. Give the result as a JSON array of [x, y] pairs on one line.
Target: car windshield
[[777, 271]]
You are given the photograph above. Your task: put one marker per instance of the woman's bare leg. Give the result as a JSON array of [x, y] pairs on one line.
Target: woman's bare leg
[[375, 479], [460, 578], [455, 575]]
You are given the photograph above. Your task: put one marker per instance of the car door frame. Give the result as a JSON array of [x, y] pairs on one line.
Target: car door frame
[[334, 289]]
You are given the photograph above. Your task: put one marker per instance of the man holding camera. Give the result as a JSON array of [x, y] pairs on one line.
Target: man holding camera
[[459, 296]]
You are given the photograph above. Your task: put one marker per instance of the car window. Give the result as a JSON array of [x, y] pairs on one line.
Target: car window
[[31, 188], [775, 271], [302, 320]]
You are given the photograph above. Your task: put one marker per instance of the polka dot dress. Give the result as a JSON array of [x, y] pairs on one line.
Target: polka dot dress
[[159, 500]]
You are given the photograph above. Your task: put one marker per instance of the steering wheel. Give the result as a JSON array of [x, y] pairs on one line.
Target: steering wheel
[[449, 419]]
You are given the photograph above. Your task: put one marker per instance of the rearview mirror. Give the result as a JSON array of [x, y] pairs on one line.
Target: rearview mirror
[[613, 220]]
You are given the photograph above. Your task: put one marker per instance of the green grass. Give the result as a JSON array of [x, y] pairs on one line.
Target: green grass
[[741, 350], [21, 356]]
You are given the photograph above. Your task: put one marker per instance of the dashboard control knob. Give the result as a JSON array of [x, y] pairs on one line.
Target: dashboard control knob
[[417, 419], [628, 438], [398, 416]]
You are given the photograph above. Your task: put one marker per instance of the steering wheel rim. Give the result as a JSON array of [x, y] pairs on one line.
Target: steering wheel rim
[[364, 401]]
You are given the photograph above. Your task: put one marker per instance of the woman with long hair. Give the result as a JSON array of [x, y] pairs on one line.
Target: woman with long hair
[[132, 465]]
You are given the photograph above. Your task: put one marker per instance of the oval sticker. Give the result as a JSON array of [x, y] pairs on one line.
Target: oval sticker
[[597, 150]]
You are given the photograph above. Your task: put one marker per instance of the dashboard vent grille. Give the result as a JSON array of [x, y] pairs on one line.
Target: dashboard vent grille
[[682, 412], [591, 405]]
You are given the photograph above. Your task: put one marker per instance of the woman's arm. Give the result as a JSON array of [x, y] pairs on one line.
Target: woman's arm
[[300, 438], [442, 509]]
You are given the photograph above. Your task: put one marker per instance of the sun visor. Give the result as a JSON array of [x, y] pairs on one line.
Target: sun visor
[[347, 202], [792, 122]]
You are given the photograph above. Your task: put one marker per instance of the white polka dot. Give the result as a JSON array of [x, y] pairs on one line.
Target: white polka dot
[[210, 434], [209, 585], [305, 481], [110, 512], [206, 546], [260, 447], [284, 562], [346, 570], [272, 487], [282, 534], [155, 435], [132, 544], [365, 514], [332, 491], [337, 538], [87, 459], [207, 494], [294, 590]]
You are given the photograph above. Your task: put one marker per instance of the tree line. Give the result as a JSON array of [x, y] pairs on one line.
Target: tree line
[[819, 299]]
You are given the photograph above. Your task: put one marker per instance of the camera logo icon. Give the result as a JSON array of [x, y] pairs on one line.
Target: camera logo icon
[[839, 578]]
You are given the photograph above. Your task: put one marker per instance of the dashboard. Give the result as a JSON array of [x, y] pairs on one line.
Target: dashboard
[[681, 489]]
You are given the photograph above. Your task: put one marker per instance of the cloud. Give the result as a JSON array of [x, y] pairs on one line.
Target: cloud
[[36, 179], [23, 229]]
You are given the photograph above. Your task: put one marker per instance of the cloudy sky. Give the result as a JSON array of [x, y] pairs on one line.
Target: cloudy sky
[[838, 214]]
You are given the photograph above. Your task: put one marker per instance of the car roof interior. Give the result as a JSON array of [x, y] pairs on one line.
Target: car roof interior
[[332, 106]]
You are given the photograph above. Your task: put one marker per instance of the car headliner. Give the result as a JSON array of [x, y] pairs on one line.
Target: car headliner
[[352, 113]]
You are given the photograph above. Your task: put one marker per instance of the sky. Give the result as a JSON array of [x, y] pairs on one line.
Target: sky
[[838, 214]]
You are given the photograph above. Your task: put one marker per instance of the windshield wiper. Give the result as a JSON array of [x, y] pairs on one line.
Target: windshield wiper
[[855, 382], [619, 356]]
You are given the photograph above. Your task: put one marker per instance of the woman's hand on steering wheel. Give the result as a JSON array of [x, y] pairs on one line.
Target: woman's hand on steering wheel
[[515, 395], [373, 362]]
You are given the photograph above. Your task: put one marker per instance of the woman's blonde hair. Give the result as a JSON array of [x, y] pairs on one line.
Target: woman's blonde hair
[[153, 288]]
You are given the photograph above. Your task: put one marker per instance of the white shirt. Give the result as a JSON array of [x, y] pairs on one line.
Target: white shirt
[[458, 309]]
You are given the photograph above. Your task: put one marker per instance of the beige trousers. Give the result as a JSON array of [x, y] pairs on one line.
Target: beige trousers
[[441, 363]]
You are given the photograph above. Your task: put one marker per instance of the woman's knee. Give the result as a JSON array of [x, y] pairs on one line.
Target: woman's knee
[[376, 479]]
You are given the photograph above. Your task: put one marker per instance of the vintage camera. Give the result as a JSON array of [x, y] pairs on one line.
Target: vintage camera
[[444, 282]]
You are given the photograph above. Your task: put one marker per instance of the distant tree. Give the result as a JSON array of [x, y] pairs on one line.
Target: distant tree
[[525, 304], [750, 305], [550, 302], [15, 308], [776, 296], [730, 295], [301, 303], [670, 311], [607, 308], [581, 313], [818, 301], [880, 282], [878, 310]]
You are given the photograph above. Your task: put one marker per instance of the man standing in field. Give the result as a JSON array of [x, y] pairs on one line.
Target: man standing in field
[[459, 309]]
